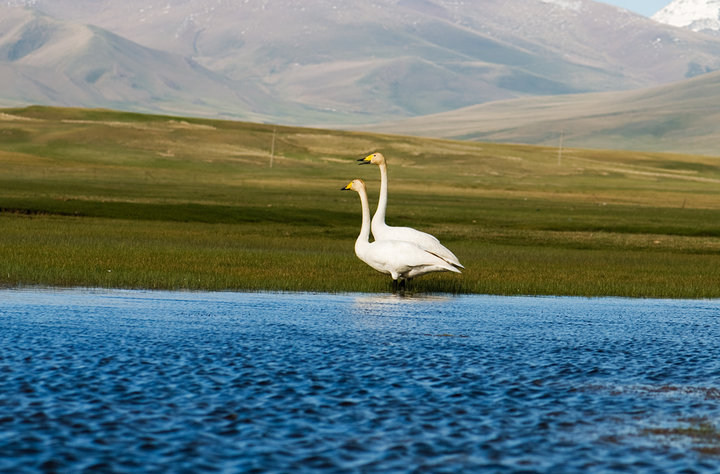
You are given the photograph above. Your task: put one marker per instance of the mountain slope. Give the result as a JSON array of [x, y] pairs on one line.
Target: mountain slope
[[678, 117], [43, 60], [341, 61]]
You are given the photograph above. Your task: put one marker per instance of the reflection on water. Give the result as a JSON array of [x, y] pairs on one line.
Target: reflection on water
[[393, 312], [157, 381]]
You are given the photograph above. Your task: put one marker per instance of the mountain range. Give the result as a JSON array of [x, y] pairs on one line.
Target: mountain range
[[337, 63], [48, 61]]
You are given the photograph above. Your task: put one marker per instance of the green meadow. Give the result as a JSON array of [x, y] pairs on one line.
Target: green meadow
[[98, 198]]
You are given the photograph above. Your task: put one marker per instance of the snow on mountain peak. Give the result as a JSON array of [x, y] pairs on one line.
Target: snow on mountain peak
[[696, 15]]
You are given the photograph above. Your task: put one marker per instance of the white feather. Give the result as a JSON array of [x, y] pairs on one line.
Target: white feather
[[399, 259], [382, 231]]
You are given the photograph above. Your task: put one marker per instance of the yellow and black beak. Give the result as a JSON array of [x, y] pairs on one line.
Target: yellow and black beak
[[347, 188], [365, 161]]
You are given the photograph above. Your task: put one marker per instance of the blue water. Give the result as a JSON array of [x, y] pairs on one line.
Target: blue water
[[134, 381]]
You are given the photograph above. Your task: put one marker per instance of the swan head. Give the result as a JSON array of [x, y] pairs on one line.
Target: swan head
[[355, 185], [374, 158]]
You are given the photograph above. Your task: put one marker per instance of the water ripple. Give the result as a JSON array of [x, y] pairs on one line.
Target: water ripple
[[122, 381]]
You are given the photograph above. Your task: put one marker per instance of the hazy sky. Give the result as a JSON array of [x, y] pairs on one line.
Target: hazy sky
[[644, 7]]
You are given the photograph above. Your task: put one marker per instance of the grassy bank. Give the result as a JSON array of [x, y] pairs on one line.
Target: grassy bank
[[109, 199]]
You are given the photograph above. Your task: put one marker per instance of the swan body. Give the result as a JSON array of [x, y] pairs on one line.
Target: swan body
[[402, 260], [382, 231]]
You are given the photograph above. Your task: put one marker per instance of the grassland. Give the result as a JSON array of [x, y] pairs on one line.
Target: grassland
[[109, 199]]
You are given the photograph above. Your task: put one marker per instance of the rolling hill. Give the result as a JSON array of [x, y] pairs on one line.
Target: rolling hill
[[678, 117]]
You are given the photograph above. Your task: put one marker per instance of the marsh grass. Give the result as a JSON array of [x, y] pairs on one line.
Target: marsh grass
[[107, 199]]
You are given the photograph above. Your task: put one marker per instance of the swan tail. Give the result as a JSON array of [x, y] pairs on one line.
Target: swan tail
[[453, 265], [449, 266]]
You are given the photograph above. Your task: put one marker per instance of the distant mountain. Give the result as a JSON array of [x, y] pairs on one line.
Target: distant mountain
[[335, 62], [680, 117], [47, 61], [696, 15]]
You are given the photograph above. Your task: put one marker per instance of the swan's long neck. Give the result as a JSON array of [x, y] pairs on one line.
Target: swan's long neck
[[364, 237], [379, 217]]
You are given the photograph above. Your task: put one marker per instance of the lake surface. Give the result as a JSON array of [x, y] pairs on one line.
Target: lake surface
[[129, 381]]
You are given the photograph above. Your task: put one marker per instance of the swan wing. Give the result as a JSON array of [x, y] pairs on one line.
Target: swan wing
[[423, 240], [404, 259]]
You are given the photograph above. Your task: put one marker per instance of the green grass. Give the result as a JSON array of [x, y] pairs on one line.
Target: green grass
[[109, 199]]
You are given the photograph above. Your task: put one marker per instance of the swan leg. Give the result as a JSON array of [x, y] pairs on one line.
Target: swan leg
[[403, 284], [394, 286]]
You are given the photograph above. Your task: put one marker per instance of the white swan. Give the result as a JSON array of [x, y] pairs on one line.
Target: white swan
[[402, 260], [382, 231]]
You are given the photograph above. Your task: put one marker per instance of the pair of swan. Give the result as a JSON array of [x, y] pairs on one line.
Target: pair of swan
[[402, 252]]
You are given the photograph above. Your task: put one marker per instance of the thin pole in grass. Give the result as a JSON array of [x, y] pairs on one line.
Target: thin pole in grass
[[272, 147], [560, 146]]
